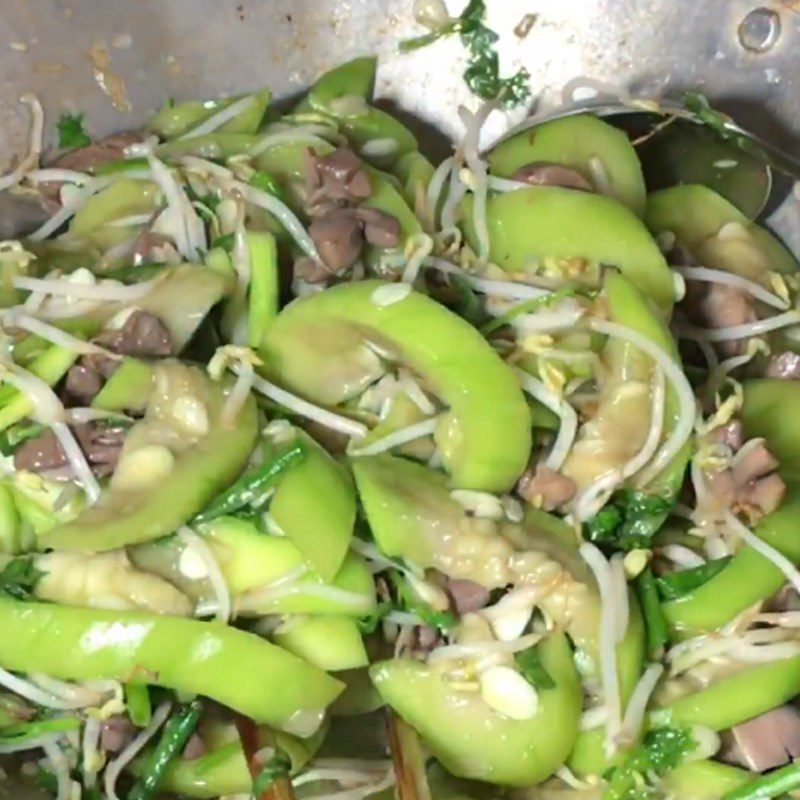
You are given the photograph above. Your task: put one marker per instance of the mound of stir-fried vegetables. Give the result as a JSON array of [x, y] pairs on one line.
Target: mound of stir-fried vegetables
[[326, 470]]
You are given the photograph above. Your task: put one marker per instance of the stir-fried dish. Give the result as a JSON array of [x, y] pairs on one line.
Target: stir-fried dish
[[331, 472]]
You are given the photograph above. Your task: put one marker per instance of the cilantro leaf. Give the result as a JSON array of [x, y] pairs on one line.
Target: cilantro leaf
[[482, 74], [630, 521], [19, 577], [277, 767], [70, 131], [533, 670], [661, 750]]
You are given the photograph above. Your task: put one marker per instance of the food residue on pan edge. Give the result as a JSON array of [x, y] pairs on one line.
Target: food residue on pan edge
[[109, 82]]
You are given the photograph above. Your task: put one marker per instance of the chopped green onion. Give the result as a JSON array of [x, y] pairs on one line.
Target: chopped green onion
[[655, 622], [773, 784], [251, 488], [276, 768], [677, 584], [121, 165], [173, 739], [21, 732]]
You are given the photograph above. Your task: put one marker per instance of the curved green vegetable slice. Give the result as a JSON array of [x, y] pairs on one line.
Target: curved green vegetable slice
[[738, 697], [704, 780], [550, 222], [332, 643], [128, 388], [209, 145], [317, 347], [183, 298], [749, 577], [125, 197], [414, 171], [223, 770], [764, 413], [237, 669], [51, 366], [337, 93], [354, 78], [411, 515], [179, 119], [583, 143], [251, 561], [130, 512], [470, 739], [314, 504], [697, 215], [374, 124], [286, 163], [618, 428]]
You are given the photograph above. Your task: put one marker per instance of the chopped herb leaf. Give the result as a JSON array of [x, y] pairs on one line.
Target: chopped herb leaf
[[70, 131], [698, 104], [533, 670], [661, 750], [276, 768], [16, 435], [629, 521], [718, 122], [267, 183], [47, 780], [409, 600], [469, 306], [370, 622], [19, 577], [483, 71], [225, 241]]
